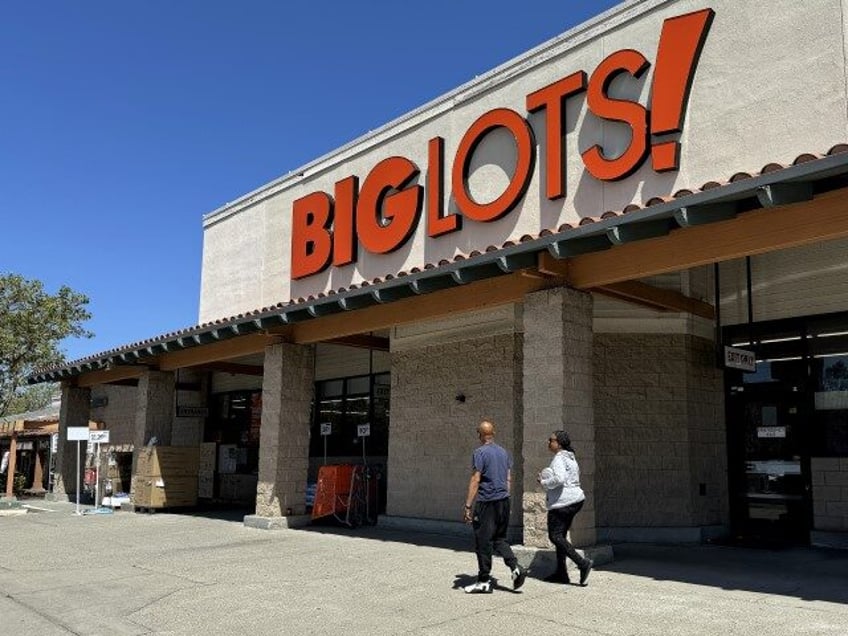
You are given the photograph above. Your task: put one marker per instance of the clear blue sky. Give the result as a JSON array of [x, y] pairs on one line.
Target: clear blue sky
[[123, 123]]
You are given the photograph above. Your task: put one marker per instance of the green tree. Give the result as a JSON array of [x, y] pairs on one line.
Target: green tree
[[32, 398], [32, 325]]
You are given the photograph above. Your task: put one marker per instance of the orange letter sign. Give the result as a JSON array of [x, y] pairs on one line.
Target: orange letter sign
[[311, 242]]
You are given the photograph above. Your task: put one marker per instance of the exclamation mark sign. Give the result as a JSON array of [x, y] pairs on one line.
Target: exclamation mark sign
[[680, 47]]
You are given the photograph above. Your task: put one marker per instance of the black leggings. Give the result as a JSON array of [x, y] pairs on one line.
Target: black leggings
[[559, 522]]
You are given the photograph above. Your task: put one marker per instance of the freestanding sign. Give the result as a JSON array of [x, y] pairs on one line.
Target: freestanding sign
[[363, 431], [78, 434], [326, 431], [97, 438]]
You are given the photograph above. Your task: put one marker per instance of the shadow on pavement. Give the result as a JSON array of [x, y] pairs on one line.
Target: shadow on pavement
[[453, 542], [461, 580], [810, 574], [231, 513]]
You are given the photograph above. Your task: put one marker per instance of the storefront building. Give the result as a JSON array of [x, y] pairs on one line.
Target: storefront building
[[25, 451], [635, 232]]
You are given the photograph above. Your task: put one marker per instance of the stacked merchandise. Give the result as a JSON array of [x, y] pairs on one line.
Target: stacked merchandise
[[166, 477]]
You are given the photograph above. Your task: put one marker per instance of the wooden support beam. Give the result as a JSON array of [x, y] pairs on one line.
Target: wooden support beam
[[640, 293], [491, 292], [757, 232], [217, 351], [111, 376], [550, 266]]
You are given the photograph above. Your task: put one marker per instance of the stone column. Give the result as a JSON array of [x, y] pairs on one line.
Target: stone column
[[154, 412], [74, 411], [287, 392], [558, 395]]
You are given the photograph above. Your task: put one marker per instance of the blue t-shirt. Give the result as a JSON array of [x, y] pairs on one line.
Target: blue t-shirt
[[494, 464]]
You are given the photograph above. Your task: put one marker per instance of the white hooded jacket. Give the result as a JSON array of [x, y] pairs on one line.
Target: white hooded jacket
[[561, 480]]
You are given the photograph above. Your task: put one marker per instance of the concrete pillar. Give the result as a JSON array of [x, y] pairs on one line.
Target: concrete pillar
[[287, 392], [154, 412], [74, 411], [558, 395]]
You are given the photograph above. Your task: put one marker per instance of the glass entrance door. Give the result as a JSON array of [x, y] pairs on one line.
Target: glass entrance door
[[769, 421], [783, 418], [769, 426]]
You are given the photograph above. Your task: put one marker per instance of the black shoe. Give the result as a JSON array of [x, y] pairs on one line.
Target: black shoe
[[585, 569], [519, 574], [558, 577]]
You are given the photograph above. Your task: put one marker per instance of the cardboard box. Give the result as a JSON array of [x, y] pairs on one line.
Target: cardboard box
[[170, 461], [153, 492], [166, 477]]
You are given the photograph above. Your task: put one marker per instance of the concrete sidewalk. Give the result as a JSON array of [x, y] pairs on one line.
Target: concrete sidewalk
[[131, 573]]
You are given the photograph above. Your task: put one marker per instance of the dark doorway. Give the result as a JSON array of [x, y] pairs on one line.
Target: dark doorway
[[343, 406], [768, 426], [792, 409]]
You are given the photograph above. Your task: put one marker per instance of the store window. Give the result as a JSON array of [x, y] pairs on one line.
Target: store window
[[810, 356], [830, 374], [342, 407]]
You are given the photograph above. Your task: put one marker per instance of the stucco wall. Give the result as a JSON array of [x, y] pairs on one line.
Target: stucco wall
[[770, 86]]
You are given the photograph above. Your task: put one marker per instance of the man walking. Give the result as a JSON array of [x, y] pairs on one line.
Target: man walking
[[490, 483]]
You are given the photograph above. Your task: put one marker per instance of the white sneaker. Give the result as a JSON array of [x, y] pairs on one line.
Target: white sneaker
[[480, 587]]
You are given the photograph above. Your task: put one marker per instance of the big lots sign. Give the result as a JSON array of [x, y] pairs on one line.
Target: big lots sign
[[383, 212]]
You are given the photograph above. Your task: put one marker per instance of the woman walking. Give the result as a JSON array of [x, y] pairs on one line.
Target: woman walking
[[564, 499]]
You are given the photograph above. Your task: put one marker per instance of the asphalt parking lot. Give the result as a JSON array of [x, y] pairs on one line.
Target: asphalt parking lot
[[131, 573]]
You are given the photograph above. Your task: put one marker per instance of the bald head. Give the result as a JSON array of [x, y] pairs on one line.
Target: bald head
[[486, 430]]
